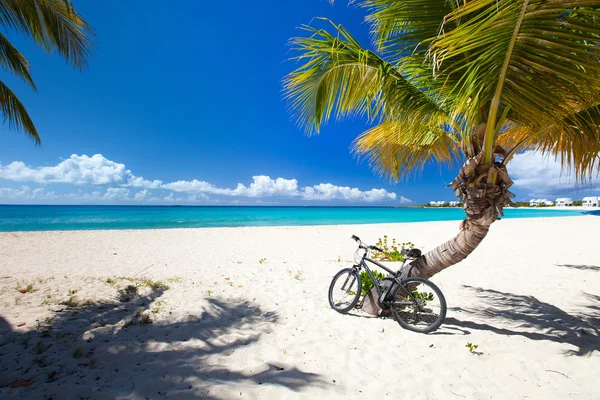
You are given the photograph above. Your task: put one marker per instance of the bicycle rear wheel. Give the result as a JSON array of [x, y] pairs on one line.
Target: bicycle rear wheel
[[344, 290], [418, 305]]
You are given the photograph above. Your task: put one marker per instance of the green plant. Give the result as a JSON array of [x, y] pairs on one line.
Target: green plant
[[422, 295], [367, 282], [39, 347], [391, 251], [29, 288], [158, 306], [40, 361], [71, 301], [262, 261], [154, 285], [78, 352], [128, 293], [472, 347]]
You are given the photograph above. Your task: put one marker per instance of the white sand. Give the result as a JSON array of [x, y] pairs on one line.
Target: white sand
[[529, 297]]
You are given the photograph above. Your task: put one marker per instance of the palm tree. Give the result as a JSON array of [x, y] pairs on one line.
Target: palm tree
[[55, 26], [474, 81]]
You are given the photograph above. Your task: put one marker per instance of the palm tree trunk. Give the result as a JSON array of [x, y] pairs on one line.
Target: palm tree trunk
[[483, 190], [452, 252]]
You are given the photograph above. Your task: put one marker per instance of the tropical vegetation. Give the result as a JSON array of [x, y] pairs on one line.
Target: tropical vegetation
[[55, 26], [469, 81]]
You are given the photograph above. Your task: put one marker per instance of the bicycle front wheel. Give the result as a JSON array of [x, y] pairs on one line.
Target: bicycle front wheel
[[419, 305], [344, 290]]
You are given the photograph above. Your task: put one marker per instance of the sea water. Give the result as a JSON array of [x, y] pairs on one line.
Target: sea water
[[43, 218]]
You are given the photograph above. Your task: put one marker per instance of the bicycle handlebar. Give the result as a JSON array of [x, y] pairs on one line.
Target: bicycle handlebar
[[363, 246]]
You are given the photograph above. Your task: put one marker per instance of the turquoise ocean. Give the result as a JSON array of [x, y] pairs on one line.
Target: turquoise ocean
[[51, 218]]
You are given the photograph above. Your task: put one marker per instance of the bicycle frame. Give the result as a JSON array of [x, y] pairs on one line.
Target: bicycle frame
[[395, 274]]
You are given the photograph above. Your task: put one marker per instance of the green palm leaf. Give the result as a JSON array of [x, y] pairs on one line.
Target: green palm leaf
[[340, 78], [396, 149], [53, 24], [12, 60], [15, 113]]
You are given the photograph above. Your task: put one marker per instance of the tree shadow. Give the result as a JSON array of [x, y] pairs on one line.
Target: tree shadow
[[529, 317], [114, 349], [581, 267]]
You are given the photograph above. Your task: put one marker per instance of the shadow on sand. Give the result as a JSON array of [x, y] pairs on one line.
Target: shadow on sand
[[112, 350], [580, 267], [531, 318]]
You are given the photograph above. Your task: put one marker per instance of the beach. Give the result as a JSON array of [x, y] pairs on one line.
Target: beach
[[222, 313]]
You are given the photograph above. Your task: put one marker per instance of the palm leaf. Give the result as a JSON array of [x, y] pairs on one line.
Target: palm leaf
[[396, 149], [340, 78], [538, 57], [15, 113], [12, 60], [53, 24], [574, 140]]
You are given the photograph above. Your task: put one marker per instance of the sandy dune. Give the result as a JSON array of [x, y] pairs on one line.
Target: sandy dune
[[203, 317]]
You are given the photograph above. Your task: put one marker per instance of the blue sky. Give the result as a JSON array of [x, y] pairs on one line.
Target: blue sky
[[183, 104]]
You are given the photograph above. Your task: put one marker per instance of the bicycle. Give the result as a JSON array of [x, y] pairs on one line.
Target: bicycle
[[416, 303]]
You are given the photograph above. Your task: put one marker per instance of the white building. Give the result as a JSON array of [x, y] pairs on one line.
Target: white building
[[540, 202], [437, 203], [453, 204], [564, 202], [593, 201]]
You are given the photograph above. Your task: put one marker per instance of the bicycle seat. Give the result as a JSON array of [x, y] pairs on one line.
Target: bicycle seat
[[411, 253]]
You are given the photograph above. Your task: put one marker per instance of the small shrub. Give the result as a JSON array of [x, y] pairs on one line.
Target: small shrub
[[154, 285], [70, 302], [128, 293], [472, 347], [262, 261], [78, 352], [41, 362], [367, 283], [29, 288], [158, 306], [391, 251]]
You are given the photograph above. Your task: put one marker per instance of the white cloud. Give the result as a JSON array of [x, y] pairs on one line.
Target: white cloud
[[327, 191], [264, 186], [542, 175], [25, 193], [142, 194], [116, 194], [100, 171], [77, 170]]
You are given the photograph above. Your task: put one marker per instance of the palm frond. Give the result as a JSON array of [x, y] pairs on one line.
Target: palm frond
[[396, 149], [340, 78], [551, 69], [15, 113], [405, 28], [574, 140], [12, 60], [53, 24]]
